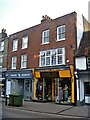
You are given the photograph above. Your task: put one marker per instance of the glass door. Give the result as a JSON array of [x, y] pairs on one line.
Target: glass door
[[28, 89]]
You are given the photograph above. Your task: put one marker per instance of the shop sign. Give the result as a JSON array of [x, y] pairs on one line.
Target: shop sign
[[20, 74], [49, 74]]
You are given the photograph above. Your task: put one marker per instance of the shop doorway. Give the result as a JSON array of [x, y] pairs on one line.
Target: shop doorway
[[44, 89], [28, 89], [48, 89], [87, 92]]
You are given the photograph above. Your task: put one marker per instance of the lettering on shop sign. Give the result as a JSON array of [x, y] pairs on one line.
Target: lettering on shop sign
[[19, 75], [25, 74], [49, 74], [13, 75]]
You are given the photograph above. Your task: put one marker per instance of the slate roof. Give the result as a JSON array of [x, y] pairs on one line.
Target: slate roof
[[84, 45]]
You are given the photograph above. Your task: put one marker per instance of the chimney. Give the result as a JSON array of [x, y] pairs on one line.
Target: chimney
[[3, 30], [45, 19], [3, 33]]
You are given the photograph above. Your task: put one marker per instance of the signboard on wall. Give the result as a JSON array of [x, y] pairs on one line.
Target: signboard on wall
[[49, 74], [19, 74]]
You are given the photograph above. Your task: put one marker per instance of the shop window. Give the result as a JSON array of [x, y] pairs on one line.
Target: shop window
[[44, 89], [87, 88], [63, 91], [39, 89]]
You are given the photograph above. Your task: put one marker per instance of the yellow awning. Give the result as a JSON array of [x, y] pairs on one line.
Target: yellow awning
[[37, 74], [64, 73]]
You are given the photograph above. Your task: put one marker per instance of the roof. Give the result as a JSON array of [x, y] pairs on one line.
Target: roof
[[84, 45]]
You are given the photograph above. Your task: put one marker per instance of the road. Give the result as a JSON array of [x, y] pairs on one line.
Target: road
[[17, 113]]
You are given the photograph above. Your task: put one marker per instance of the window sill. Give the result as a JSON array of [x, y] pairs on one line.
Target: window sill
[[45, 43], [60, 39]]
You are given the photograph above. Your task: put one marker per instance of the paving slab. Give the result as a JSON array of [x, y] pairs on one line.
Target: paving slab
[[82, 111], [44, 107]]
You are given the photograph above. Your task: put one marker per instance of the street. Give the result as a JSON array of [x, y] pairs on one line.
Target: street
[[18, 113]]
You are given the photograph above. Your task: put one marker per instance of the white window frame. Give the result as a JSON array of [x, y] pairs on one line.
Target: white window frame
[[46, 32], [2, 46], [88, 63], [15, 44], [24, 61], [24, 42], [14, 62], [43, 57], [60, 33], [1, 59]]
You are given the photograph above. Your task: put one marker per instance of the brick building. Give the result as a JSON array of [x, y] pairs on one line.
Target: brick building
[[41, 58], [3, 59]]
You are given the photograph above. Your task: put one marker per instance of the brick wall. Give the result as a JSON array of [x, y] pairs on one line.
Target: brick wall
[[35, 35]]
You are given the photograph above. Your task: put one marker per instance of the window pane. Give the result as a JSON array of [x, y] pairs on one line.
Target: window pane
[[1, 59], [61, 32], [53, 59], [24, 42], [42, 61], [47, 53], [14, 59], [15, 45], [60, 59], [63, 29], [45, 36], [23, 61], [59, 51], [48, 61], [2, 46]]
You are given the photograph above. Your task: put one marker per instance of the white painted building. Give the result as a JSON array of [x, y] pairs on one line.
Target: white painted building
[[82, 72]]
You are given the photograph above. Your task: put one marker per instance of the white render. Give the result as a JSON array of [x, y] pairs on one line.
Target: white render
[[81, 63], [78, 91], [81, 89], [80, 28], [87, 99]]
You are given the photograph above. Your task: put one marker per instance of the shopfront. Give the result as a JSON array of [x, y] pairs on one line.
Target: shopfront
[[83, 87], [54, 84], [20, 82], [2, 83]]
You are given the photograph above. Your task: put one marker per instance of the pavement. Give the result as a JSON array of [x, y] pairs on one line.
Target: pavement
[[52, 108]]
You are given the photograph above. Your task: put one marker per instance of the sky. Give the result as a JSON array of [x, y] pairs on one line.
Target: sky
[[17, 15]]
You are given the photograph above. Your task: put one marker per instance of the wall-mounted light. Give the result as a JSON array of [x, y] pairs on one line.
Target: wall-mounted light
[[67, 61]]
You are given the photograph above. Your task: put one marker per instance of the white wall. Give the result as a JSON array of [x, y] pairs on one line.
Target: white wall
[[81, 90], [81, 63], [80, 28], [78, 90]]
